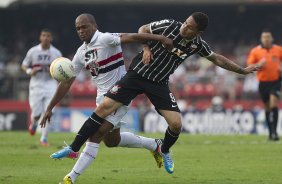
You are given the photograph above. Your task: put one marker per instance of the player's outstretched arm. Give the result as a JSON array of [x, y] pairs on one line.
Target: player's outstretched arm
[[61, 91], [145, 37], [227, 64]]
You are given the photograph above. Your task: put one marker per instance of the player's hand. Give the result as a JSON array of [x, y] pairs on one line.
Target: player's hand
[[46, 117], [167, 43], [252, 68], [147, 55]]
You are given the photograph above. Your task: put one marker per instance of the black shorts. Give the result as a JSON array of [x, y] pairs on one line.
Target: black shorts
[[267, 88], [132, 84]]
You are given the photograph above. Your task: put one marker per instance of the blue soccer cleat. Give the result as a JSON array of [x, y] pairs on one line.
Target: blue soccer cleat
[[168, 162], [66, 152]]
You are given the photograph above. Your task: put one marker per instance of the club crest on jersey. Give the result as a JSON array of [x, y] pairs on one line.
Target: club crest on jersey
[[90, 62], [115, 89]]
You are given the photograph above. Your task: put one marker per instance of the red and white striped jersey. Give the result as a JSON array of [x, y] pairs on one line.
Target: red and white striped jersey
[[39, 58], [103, 58]]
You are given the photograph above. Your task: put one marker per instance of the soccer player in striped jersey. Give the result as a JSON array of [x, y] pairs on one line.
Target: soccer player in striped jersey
[[270, 56], [42, 86], [101, 55]]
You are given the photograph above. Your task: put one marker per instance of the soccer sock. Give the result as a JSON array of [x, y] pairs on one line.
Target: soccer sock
[[169, 139], [87, 156], [275, 118], [267, 118], [130, 140], [90, 126], [44, 132]]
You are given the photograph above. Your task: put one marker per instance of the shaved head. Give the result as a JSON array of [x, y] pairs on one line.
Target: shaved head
[[86, 27], [88, 17]]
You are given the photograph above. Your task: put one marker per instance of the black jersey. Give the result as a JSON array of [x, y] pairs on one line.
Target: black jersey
[[165, 62]]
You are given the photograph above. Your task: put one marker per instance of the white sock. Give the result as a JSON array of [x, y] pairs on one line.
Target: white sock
[[88, 154], [44, 132], [131, 140]]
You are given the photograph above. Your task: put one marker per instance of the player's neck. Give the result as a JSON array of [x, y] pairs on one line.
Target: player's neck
[[266, 46], [45, 47]]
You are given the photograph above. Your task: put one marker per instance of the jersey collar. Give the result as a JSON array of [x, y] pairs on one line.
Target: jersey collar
[[96, 34]]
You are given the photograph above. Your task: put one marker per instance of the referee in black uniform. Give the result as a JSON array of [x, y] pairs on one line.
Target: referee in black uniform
[[149, 74]]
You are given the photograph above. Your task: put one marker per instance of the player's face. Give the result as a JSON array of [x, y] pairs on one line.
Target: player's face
[[45, 38], [189, 29], [266, 39], [85, 29]]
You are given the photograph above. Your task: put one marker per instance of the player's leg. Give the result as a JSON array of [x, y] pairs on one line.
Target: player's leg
[[166, 105], [264, 91], [89, 152], [36, 106], [273, 104], [116, 138], [90, 127], [44, 131]]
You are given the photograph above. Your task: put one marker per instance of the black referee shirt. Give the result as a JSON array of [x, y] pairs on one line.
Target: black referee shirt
[[165, 62]]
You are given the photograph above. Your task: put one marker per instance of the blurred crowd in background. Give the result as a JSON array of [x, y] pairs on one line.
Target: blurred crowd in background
[[233, 31]]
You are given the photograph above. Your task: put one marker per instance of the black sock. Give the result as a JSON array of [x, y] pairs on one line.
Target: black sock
[[268, 121], [275, 118], [90, 126], [169, 139]]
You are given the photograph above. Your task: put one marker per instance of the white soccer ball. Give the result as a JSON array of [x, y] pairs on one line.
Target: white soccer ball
[[62, 69]]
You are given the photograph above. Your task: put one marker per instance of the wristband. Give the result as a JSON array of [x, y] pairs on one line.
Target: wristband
[[28, 71]]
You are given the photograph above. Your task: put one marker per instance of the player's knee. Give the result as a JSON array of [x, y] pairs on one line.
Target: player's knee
[[176, 126], [110, 144], [104, 109]]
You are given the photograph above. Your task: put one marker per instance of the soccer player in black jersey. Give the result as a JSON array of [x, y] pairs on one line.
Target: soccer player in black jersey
[[149, 74]]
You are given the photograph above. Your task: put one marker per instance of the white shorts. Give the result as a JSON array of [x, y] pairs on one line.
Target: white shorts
[[116, 117], [38, 102]]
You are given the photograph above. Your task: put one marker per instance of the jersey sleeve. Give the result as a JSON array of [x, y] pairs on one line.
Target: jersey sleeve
[[77, 62], [252, 57], [112, 39], [158, 27], [205, 50], [28, 59]]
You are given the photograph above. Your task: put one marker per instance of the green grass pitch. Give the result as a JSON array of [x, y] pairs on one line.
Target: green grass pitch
[[198, 160]]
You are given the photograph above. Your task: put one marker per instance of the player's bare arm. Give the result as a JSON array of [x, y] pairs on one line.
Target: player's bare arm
[[61, 91], [147, 54], [145, 37], [227, 64]]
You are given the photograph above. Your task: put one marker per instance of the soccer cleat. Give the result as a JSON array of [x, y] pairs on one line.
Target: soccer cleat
[[32, 128], [65, 152], [156, 154], [66, 180], [168, 162], [274, 137]]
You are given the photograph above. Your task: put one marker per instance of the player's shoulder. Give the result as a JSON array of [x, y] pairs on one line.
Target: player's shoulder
[[54, 49], [34, 48], [166, 21], [256, 49], [278, 47], [108, 38], [107, 35]]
